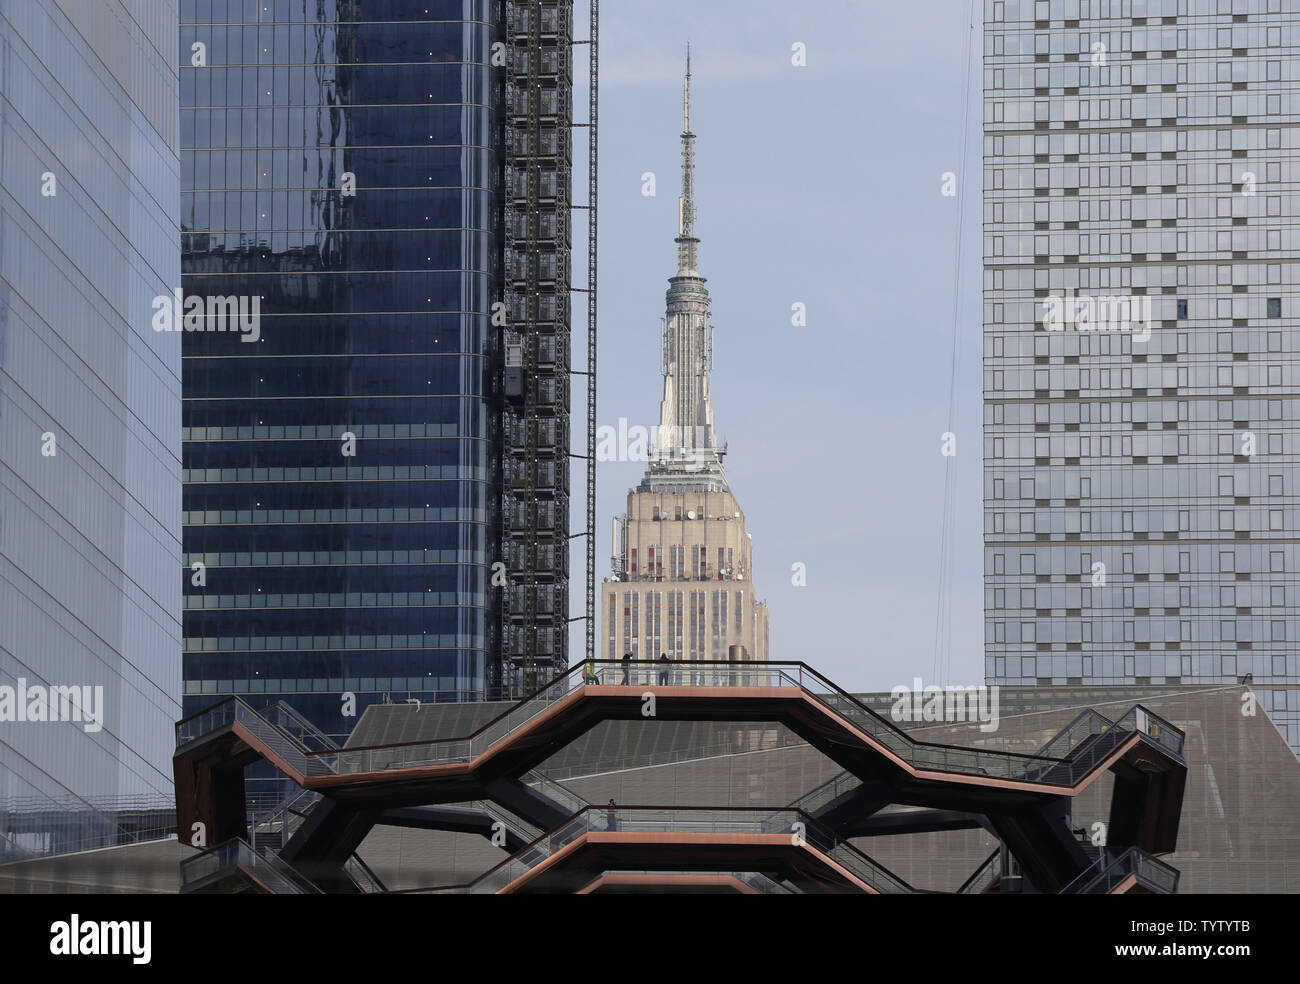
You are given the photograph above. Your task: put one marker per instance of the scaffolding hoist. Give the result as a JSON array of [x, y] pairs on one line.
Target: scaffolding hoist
[[536, 344]]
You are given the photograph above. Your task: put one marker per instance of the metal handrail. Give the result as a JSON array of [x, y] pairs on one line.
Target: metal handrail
[[286, 709], [1107, 871], [817, 797], [526, 832], [980, 878], [604, 818], [237, 853], [555, 791], [1089, 721], [363, 877], [280, 814], [961, 760]]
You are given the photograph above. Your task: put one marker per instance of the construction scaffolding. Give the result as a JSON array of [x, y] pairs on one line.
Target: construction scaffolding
[[536, 344], [593, 159]]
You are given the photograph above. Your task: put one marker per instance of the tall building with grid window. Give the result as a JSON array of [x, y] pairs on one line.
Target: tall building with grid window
[[1141, 379], [682, 583]]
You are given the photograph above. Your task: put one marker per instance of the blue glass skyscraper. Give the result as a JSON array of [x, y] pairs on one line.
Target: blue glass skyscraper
[[341, 171]]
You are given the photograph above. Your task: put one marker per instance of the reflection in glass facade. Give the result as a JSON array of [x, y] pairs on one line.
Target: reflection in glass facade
[[90, 401], [1140, 489], [341, 164]]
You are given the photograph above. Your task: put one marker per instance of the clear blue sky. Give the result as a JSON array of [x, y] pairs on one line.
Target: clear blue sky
[[820, 185]]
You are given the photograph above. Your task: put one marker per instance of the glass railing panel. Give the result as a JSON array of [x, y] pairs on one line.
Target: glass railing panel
[[1087, 724], [278, 876], [1159, 730], [208, 863], [295, 723], [209, 720], [279, 823], [762, 884], [363, 877], [510, 820], [1106, 873], [1158, 874], [558, 793]]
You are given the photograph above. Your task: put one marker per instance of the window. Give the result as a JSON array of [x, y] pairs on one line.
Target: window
[[1182, 309]]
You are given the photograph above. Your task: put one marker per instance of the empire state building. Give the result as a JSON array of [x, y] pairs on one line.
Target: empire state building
[[682, 567]]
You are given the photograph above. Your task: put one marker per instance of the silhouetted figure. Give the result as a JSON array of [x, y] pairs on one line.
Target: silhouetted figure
[[663, 669], [627, 668]]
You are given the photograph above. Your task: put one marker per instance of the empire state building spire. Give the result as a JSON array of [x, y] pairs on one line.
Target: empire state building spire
[[687, 456], [688, 246]]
